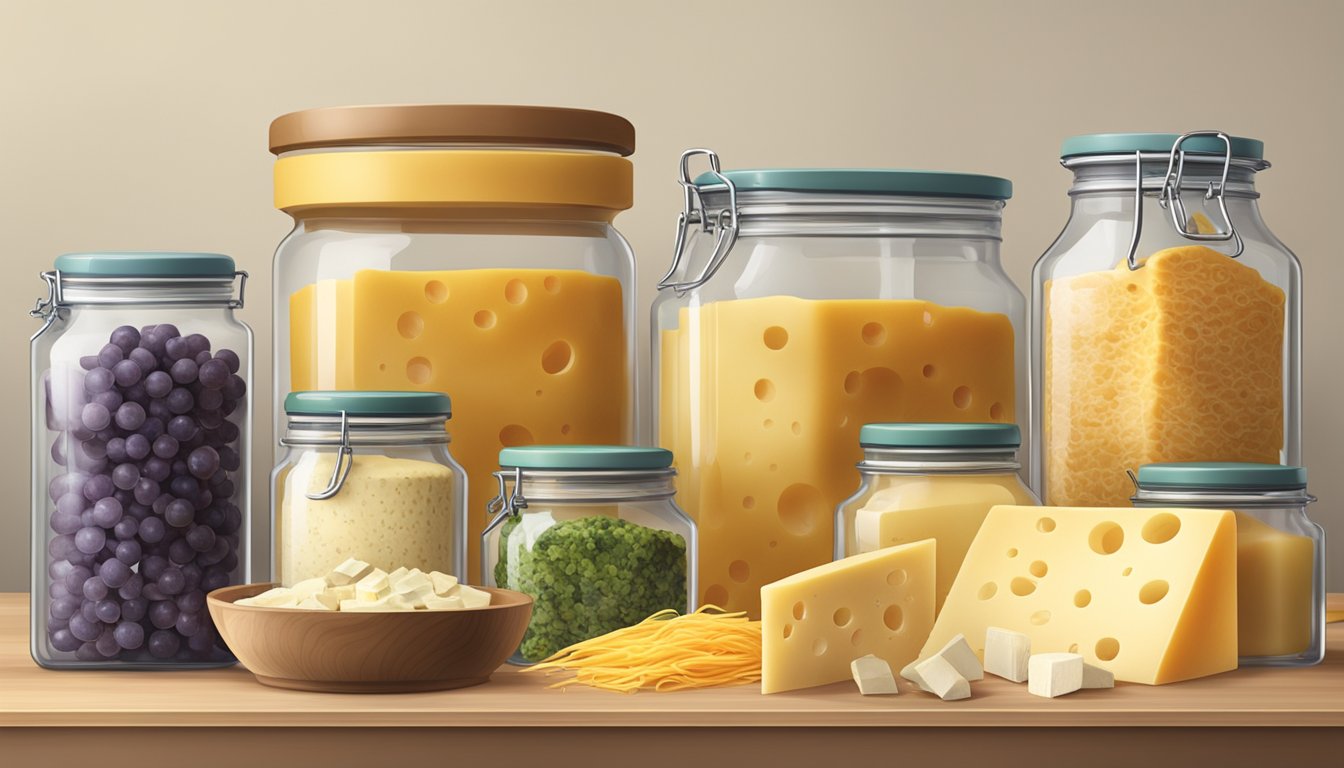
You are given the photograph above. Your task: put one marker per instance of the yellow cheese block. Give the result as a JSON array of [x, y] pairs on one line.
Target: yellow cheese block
[[1148, 594], [814, 623], [528, 356], [1180, 360], [1275, 589], [761, 401], [946, 508]]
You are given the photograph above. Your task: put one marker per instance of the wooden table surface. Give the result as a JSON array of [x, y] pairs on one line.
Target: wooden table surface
[[1243, 711]]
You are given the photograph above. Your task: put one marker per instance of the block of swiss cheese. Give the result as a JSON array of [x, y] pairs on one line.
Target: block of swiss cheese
[[1148, 594], [814, 623]]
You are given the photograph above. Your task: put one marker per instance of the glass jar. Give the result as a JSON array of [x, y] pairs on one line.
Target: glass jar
[[592, 534], [801, 305], [1166, 318], [930, 481], [367, 475], [1280, 552], [463, 249], [141, 433]]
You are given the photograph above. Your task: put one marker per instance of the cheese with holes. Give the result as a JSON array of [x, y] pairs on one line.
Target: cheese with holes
[[1147, 594], [1180, 360], [761, 401], [815, 622], [528, 356]]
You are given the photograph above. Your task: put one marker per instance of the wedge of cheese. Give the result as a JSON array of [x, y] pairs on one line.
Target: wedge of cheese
[[1147, 594], [815, 622]]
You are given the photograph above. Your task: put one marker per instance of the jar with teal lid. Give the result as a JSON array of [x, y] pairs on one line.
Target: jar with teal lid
[[800, 305], [592, 534], [930, 481], [141, 436], [1166, 317], [367, 475], [1280, 551]]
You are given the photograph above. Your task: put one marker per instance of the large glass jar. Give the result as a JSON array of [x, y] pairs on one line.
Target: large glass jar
[[463, 249], [930, 481], [1280, 552], [801, 305], [592, 534], [367, 475], [141, 433], [1166, 318]]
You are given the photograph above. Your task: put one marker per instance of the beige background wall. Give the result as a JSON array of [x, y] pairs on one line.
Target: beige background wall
[[142, 125]]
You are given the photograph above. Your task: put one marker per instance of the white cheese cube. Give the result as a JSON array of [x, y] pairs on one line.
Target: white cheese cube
[[312, 603], [411, 582], [1096, 677], [942, 679], [338, 594], [277, 597], [443, 583], [911, 674], [308, 587], [349, 572], [1054, 674], [436, 603], [328, 598], [385, 603], [372, 586], [397, 575], [958, 653], [873, 676], [472, 597], [1006, 654]]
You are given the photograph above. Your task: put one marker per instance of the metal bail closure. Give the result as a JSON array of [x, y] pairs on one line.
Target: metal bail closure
[[504, 503], [345, 459], [45, 308], [242, 290], [693, 214]]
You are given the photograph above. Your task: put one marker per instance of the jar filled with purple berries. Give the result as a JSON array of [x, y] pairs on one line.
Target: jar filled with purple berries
[[141, 434]]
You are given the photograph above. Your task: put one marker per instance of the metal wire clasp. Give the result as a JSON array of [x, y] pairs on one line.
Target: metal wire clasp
[[506, 503], [1169, 198], [693, 214], [345, 459]]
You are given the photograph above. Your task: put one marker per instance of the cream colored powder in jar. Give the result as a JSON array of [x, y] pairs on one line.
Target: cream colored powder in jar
[[392, 511]]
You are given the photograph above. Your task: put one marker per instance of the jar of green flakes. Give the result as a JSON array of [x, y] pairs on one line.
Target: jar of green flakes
[[592, 534]]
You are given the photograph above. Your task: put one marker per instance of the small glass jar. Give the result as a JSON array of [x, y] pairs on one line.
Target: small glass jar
[[930, 481], [1280, 551], [1166, 318], [467, 249], [802, 304], [367, 475], [141, 436], [592, 534]]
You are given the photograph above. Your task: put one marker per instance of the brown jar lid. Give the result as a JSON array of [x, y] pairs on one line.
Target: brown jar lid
[[503, 125]]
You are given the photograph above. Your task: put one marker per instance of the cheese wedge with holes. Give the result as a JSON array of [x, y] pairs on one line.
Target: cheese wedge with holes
[[815, 622], [761, 402], [1149, 595]]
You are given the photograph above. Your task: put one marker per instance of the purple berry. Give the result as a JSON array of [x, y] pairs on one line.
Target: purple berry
[[129, 635], [98, 380], [164, 644], [230, 359], [184, 371], [110, 355], [126, 338], [151, 532], [179, 513], [158, 384], [127, 373], [95, 416], [130, 416], [90, 540]]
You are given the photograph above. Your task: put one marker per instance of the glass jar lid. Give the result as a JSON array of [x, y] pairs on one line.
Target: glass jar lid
[[1129, 143], [1221, 477], [145, 264], [581, 458], [160, 278], [369, 403], [940, 435], [862, 181]]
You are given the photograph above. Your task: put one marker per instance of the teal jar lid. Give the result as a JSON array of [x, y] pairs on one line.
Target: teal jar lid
[[145, 264], [866, 181], [1121, 143], [585, 457], [940, 435], [1221, 476], [369, 403]]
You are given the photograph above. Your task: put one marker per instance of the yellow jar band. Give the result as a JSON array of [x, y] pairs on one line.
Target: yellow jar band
[[453, 178]]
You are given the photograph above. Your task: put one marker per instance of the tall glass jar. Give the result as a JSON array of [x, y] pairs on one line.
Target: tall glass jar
[[801, 305], [592, 534], [1166, 318], [1280, 551], [367, 475], [141, 433], [930, 481], [464, 249]]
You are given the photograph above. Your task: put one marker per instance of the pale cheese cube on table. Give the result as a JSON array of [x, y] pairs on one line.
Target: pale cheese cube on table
[[1096, 677], [910, 673], [873, 676], [942, 679], [1054, 674], [958, 653], [1006, 654], [349, 572], [397, 575]]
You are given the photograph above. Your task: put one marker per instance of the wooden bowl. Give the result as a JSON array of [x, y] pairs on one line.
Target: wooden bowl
[[391, 652]]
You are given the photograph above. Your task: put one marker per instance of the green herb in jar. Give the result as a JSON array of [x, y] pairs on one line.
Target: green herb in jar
[[590, 576]]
